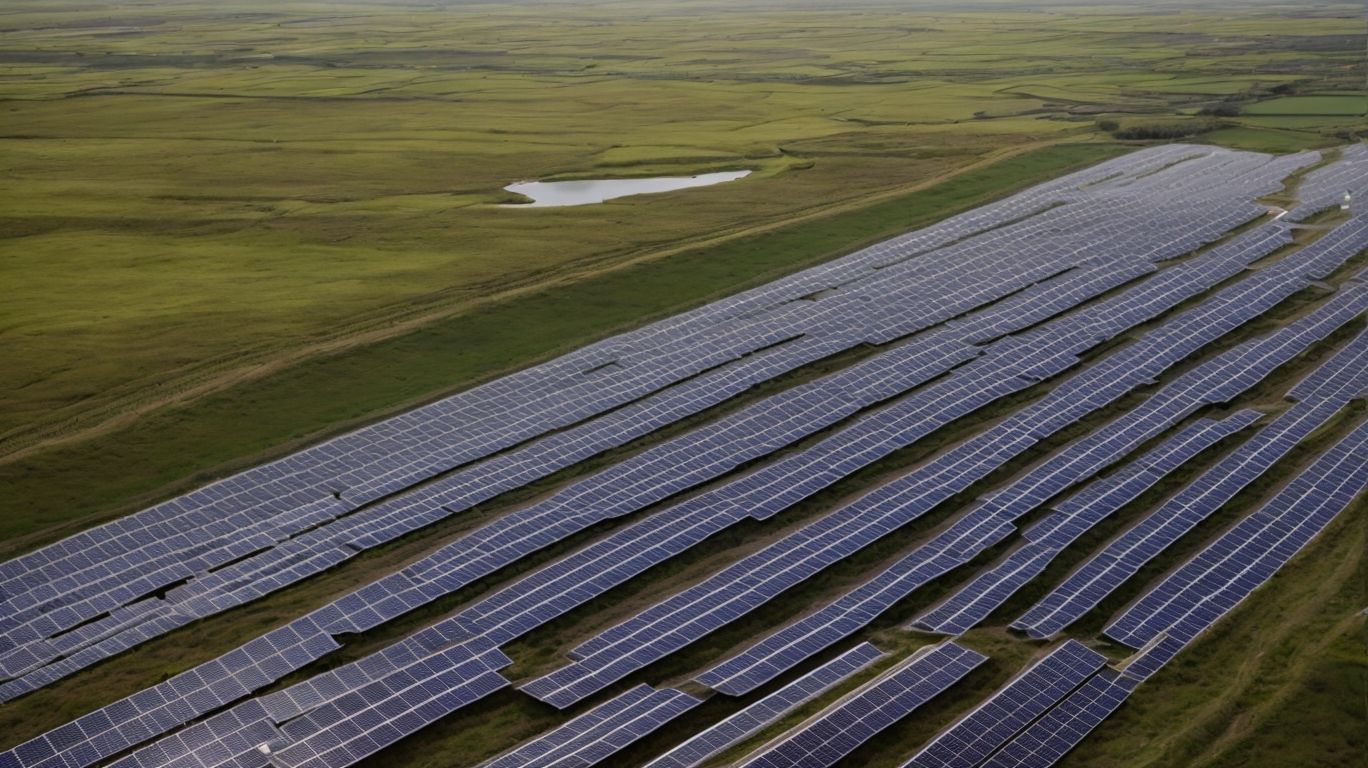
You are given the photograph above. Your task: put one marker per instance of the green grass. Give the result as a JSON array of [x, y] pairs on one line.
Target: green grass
[[1321, 722], [1342, 104], [1266, 139], [71, 485]]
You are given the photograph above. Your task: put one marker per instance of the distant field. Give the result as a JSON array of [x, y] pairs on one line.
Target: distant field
[[1346, 104]]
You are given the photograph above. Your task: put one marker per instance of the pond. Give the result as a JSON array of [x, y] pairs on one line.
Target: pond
[[545, 194]]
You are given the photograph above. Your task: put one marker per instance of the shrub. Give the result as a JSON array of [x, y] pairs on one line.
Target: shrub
[[1224, 109], [1172, 130]]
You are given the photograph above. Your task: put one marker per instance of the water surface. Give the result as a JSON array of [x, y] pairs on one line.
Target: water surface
[[546, 194]]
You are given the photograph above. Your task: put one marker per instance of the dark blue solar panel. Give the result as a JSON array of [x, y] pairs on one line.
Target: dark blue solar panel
[[855, 719], [1218, 578], [1063, 727], [751, 720], [1005, 713], [1138, 545], [81, 600], [592, 737], [1073, 517]]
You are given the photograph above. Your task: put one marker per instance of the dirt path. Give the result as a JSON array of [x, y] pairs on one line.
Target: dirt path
[[124, 411]]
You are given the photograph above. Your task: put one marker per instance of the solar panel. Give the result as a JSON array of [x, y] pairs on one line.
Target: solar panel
[[597, 734], [855, 719], [755, 717], [1005, 277], [990, 589], [1063, 727], [1008, 710], [988, 524], [1324, 188], [1121, 559], [209, 686], [704, 607]]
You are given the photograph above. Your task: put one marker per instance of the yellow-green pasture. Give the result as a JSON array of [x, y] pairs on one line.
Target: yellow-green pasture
[[1331, 105]]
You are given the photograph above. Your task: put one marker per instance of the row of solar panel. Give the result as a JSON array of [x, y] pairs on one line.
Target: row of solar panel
[[1062, 728], [856, 718], [1326, 488], [1052, 736], [1325, 187], [1213, 582], [600, 732], [732, 730], [972, 604], [386, 428], [342, 731], [464, 579], [1141, 543], [991, 522], [1070, 519], [659, 631], [1005, 713], [380, 427]]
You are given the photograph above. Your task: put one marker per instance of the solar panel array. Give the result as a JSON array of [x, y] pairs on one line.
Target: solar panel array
[[1124, 556], [372, 703], [308, 512], [598, 662], [1009, 710], [600, 732], [359, 723], [963, 313], [838, 730], [992, 521], [735, 728], [1070, 519], [1324, 188], [210, 686], [1215, 580]]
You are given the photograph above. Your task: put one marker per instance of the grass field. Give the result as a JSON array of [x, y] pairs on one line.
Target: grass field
[[1332, 104], [1260, 139], [233, 228]]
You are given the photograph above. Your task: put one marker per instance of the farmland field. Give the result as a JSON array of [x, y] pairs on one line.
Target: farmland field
[[1344, 104], [230, 231]]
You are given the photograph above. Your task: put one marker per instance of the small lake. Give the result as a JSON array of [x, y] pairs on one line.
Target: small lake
[[546, 194]]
